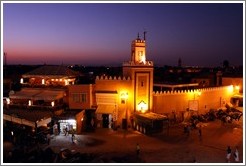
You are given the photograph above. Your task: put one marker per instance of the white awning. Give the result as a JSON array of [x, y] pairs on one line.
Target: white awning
[[43, 122], [49, 95], [18, 120], [105, 109], [24, 94], [38, 94]]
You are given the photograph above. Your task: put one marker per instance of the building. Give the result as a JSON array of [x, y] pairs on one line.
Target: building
[[44, 91], [118, 101]]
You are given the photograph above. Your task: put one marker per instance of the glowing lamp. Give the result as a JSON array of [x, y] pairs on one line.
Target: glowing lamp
[[29, 103], [21, 81], [8, 101], [52, 103], [124, 95], [199, 93], [143, 59], [142, 106], [43, 82], [230, 89]]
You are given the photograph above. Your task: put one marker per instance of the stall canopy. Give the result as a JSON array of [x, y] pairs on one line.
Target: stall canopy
[[38, 94], [49, 95], [105, 109], [26, 117]]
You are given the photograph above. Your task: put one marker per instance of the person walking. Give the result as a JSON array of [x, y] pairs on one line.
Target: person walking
[[73, 136], [228, 154], [200, 133], [66, 131], [138, 149], [236, 155]]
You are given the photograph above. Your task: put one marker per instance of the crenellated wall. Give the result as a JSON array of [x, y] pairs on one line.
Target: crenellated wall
[[111, 78], [178, 101], [233, 81], [108, 83], [121, 85]]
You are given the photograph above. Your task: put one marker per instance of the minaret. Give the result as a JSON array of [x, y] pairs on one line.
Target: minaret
[[138, 51], [141, 73]]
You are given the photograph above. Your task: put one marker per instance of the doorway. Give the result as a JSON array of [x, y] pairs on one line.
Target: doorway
[[105, 120]]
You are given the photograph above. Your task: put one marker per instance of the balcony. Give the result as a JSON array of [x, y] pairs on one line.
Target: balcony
[[134, 64]]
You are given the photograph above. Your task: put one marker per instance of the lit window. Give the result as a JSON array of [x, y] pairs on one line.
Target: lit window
[[83, 97], [79, 97], [43, 82]]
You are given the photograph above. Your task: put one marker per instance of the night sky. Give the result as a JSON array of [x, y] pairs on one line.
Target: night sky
[[101, 34]]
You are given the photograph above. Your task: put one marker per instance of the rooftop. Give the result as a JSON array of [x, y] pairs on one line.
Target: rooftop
[[52, 71]]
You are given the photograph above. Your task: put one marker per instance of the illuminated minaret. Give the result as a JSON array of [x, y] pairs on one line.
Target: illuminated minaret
[[141, 73], [138, 51]]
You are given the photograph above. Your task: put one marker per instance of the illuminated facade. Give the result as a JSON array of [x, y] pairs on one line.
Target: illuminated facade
[[113, 101], [117, 99], [141, 72]]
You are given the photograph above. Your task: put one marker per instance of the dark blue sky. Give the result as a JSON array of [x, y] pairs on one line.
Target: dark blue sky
[[101, 34]]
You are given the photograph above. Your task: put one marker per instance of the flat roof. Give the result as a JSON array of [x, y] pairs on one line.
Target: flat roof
[[30, 115], [176, 85], [153, 116], [38, 94]]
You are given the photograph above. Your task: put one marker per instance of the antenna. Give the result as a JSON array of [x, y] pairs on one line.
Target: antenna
[[138, 36], [145, 35]]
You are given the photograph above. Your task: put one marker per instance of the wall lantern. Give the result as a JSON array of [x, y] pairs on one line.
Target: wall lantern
[[124, 97], [142, 106], [8, 100], [236, 89], [43, 81], [66, 82], [230, 89], [29, 103], [52, 103]]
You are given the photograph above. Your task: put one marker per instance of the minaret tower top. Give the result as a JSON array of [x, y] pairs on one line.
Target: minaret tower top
[[138, 51]]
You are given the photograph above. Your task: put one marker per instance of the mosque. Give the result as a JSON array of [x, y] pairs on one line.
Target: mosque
[[126, 101]]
